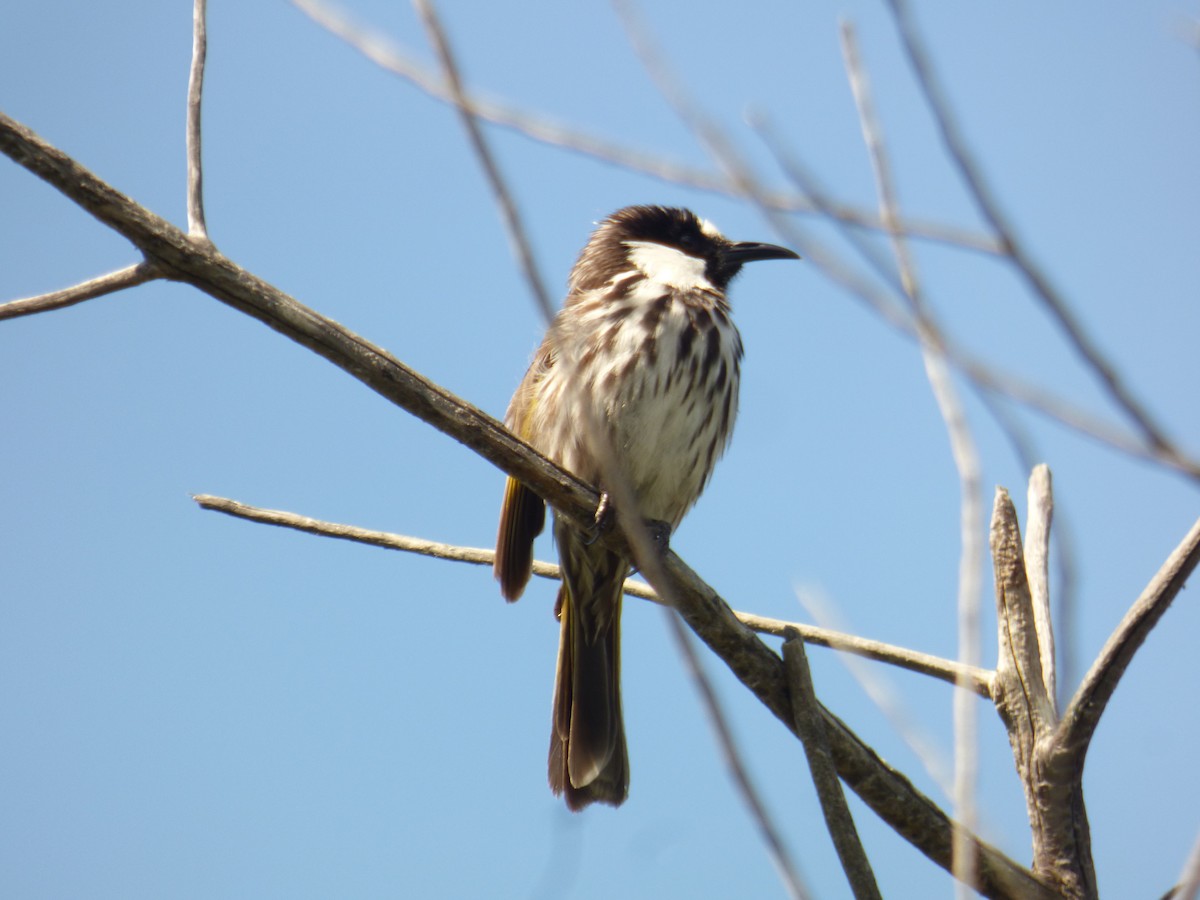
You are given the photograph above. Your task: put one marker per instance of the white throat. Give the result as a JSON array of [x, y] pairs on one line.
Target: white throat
[[667, 265]]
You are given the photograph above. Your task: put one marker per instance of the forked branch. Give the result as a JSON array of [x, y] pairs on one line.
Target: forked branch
[[1049, 752], [1062, 850]]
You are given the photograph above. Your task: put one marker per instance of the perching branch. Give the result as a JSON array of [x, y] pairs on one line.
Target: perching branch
[[891, 795]]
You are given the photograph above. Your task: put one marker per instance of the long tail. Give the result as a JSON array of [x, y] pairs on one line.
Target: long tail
[[588, 759]]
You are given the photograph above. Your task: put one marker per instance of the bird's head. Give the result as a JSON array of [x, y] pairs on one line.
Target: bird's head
[[667, 245]]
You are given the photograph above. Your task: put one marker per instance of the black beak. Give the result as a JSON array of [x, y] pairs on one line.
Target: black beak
[[749, 251]]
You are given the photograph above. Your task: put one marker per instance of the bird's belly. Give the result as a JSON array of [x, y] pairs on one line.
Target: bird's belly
[[662, 400], [669, 436]]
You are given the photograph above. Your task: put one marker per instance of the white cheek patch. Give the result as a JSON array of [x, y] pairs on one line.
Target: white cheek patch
[[668, 265]]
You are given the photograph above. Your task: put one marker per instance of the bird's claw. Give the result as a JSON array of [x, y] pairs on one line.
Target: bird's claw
[[606, 518], [658, 531]]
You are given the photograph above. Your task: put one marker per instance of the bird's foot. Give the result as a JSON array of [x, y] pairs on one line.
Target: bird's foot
[[606, 518], [660, 534]]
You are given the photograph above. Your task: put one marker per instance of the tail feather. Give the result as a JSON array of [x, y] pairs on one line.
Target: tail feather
[[588, 759], [522, 517]]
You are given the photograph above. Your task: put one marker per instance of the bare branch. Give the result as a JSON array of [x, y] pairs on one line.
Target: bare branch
[[972, 678], [197, 228], [976, 680], [1087, 706], [981, 375], [387, 54], [893, 797], [788, 871], [1037, 280], [966, 460], [200, 264], [130, 276], [811, 729], [504, 199]]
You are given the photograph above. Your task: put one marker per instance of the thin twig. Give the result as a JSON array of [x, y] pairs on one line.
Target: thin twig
[[976, 680], [197, 227], [513, 224], [972, 678], [786, 867], [966, 460], [387, 54], [989, 207], [806, 181], [130, 276], [811, 729]]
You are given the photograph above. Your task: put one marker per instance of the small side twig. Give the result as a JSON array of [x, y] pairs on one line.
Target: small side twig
[[130, 276], [811, 729], [197, 227]]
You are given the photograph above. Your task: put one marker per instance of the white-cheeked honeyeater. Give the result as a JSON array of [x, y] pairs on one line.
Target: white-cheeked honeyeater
[[637, 379]]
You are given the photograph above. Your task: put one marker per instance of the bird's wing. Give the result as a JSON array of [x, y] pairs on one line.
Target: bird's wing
[[523, 513]]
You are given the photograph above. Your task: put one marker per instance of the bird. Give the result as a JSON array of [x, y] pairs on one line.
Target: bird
[[636, 379]]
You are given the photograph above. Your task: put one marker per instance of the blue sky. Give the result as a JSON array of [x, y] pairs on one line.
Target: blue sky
[[195, 706]]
